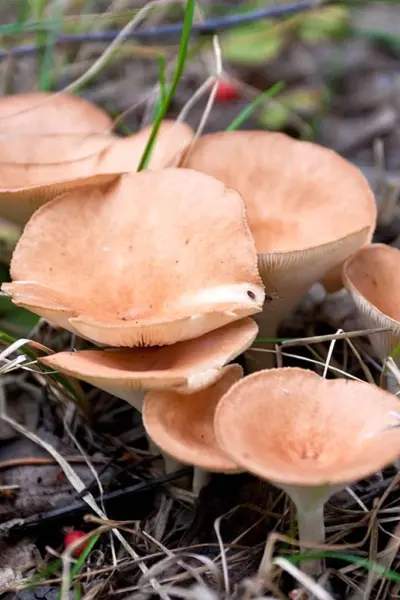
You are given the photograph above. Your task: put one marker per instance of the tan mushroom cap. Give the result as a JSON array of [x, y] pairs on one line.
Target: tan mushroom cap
[[147, 261], [36, 168], [186, 366], [292, 427], [371, 277], [183, 425], [46, 112], [308, 208]]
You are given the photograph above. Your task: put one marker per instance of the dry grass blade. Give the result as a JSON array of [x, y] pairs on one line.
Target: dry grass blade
[[197, 592], [330, 353], [12, 365], [304, 580], [391, 366], [211, 99], [342, 335], [387, 557], [308, 360], [217, 529]]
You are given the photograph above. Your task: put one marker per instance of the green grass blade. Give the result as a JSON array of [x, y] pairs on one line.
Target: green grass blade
[[395, 352], [163, 86], [181, 61], [161, 75], [77, 591], [46, 81], [349, 558], [22, 14], [44, 574], [248, 110], [76, 569]]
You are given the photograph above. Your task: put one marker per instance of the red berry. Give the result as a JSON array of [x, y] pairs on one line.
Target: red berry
[[73, 536], [227, 91]]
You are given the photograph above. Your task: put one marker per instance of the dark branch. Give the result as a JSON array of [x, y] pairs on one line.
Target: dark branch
[[79, 508]]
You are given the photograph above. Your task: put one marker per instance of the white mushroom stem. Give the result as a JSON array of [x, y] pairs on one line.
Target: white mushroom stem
[[201, 478], [170, 463], [310, 520], [309, 503]]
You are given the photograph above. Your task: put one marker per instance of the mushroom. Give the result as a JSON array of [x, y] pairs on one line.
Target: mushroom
[[370, 278], [46, 113], [186, 366], [308, 209], [309, 436], [182, 425], [149, 260], [36, 168]]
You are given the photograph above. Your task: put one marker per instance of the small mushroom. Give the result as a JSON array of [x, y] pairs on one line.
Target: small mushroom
[[147, 261], [308, 209], [309, 436], [370, 276], [49, 113], [34, 168], [186, 366], [182, 425]]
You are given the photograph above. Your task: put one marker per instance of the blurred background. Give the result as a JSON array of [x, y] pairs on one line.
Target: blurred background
[[339, 64]]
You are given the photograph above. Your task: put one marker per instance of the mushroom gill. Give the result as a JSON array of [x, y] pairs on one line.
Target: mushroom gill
[[370, 276]]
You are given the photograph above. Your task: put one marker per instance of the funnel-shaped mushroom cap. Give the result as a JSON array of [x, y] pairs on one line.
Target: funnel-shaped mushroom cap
[[125, 153], [371, 277], [295, 428], [36, 168], [308, 209], [41, 112], [186, 366], [183, 424], [147, 261]]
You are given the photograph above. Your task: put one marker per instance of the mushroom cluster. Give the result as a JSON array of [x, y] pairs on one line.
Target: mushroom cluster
[[305, 434], [143, 266], [162, 270]]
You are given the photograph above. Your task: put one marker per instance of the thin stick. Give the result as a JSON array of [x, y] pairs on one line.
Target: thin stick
[[333, 336], [310, 360]]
